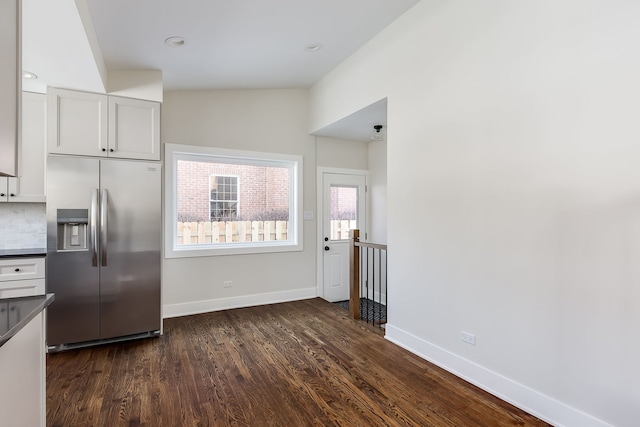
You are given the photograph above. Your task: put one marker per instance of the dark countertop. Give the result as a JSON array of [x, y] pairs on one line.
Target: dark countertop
[[15, 313], [27, 253]]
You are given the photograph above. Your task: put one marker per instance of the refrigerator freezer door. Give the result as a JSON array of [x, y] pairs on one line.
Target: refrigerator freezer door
[[75, 317], [130, 271]]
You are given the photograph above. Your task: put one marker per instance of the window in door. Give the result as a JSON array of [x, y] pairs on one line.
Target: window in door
[[343, 211]]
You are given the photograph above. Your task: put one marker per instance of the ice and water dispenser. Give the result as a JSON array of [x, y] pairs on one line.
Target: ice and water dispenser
[[73, 229]]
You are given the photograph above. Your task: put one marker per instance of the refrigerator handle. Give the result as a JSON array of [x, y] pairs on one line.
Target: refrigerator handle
[[104, 205], [93, 220]]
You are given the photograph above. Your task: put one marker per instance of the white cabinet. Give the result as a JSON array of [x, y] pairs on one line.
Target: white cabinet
[[29, 186], [22, 370], [10, 70], [21, 277], [9, 190], [22, 358], [90, 124], [77, 123], [4, 188], [134, 128]]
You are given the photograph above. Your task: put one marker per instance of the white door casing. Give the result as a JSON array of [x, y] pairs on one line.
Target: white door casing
[[334, 249]]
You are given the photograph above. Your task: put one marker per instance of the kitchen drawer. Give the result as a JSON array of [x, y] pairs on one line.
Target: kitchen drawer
[[22, 288], [21, 269]]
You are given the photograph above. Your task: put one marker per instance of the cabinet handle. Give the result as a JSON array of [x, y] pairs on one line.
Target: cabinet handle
[[104, 149], [17, 269], [1, 194], [12, 195], [111, 149]]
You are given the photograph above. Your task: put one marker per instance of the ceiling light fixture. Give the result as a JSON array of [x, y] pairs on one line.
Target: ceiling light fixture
[[175, 41], [378, 135], [314, 47], [28, 75]]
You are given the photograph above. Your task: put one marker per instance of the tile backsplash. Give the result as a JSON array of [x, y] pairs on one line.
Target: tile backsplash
[[23, 225]]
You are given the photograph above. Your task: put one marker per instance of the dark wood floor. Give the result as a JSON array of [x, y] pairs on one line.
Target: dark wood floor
[[294, 364]]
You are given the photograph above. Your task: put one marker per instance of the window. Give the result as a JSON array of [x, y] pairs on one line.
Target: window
[[224, 198], [343, 211], [222, 202]]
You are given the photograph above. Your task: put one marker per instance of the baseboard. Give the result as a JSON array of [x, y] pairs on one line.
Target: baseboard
[[197, 307], [542, 406]]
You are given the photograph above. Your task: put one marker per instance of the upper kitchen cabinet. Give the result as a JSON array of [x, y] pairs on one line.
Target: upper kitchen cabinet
[[77, 123], [10, 79], [134, 128], [90, 124], [29, 186]]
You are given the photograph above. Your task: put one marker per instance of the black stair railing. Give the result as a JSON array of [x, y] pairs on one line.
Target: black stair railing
[[368, 273]]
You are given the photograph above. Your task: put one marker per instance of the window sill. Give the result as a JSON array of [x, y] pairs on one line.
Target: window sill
[[193, 251]]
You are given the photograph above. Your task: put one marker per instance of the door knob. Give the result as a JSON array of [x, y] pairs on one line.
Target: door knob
[[16, 270], [326, 248]]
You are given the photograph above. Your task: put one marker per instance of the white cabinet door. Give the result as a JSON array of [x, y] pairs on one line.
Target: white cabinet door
[[77, 123], [22, 369], [134, 128], [10, 82], [30, 186], [4, 189], [8, 189], [13, 185]]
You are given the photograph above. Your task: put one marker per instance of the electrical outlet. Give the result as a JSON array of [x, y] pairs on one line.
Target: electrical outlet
[[468, 338], [228, 283]]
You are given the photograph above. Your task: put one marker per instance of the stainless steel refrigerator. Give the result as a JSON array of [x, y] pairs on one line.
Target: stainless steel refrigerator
[[104, 239]]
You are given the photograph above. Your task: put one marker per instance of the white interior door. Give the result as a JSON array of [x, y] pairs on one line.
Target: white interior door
[[343, 208]]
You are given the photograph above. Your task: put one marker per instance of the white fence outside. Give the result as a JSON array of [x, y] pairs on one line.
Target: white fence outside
[[199, 233]]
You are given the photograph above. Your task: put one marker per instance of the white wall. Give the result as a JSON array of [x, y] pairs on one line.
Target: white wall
[[136, 84], [255, 120], [377, 155], [514, 148], [341, 153]]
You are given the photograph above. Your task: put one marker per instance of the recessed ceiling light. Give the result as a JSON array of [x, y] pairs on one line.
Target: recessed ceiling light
[[314, 47], [28, 75], [175, 41]]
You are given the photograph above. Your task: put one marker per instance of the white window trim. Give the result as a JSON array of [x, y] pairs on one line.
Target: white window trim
[[173, 152]]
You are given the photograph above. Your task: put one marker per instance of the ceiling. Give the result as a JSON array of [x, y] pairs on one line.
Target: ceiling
[[359, 126], [56, 48], [238, 44]]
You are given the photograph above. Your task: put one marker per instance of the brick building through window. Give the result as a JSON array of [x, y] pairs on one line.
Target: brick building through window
[[209, 191]]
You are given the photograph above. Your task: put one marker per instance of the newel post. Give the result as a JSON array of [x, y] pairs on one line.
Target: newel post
[[354, 274]]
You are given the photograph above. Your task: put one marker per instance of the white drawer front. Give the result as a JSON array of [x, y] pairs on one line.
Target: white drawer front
[[22, 288], [21, 269]]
